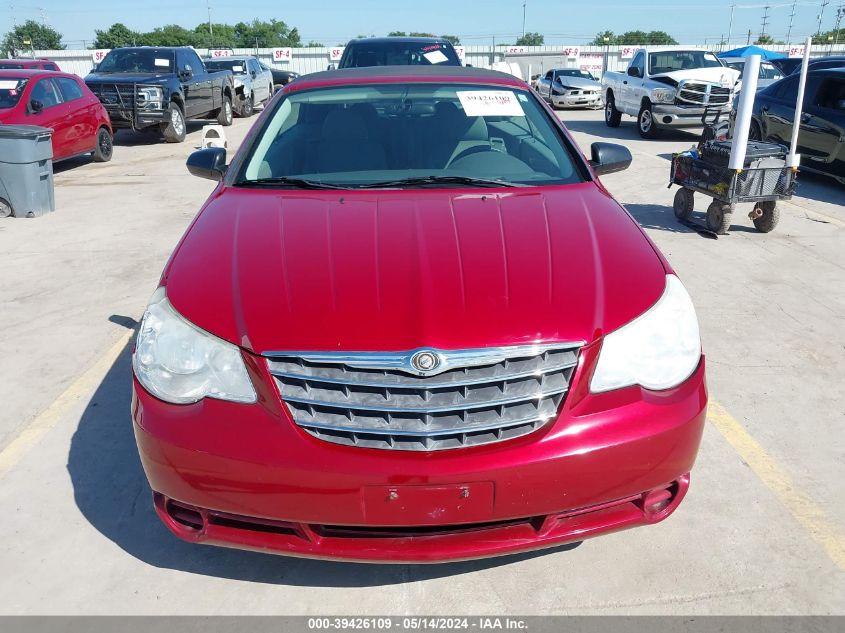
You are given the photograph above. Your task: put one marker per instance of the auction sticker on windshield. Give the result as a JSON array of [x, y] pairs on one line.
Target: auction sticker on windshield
[[8, 84], [162, 62], [436, 57], [490, 103]]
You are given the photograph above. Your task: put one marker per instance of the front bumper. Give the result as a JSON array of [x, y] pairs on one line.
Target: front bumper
[[582, 100], [246, 476], [136, 120], [670, 115]]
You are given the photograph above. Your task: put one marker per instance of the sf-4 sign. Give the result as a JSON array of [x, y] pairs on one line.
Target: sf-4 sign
[[282, 54], [99, 54], [335, 54]]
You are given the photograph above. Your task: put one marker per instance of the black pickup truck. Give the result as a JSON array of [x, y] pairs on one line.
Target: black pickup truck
[[150, 87]]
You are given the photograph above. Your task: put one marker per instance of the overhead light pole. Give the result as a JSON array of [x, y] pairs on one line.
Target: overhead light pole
[[210, 29], [524, 4]]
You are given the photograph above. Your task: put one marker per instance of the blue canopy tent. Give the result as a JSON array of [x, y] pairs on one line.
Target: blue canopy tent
[[746, 51]]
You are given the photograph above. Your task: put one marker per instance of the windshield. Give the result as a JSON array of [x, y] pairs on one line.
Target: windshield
[[11, 89], [575, 72], [668, 61], [364, 54], [143, 60], [237, 66], [13, 65], [366, 135]]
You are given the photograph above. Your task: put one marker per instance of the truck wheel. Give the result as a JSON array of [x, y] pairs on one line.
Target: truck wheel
[[645, 122], [277, 87], [754, 133], [174, 130], [248, 108], [224, 117], [104, 149], [683, 203], [769, 220], [719, 217], [612, 116], [5, 209]]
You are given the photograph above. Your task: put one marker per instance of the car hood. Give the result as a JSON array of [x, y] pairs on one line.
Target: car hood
[[580, 82], [723, 76], [389, 271], [138, 78]]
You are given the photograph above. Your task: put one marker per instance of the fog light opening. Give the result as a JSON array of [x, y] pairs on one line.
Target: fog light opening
[[184, 515], [657, 502], [667, 120]]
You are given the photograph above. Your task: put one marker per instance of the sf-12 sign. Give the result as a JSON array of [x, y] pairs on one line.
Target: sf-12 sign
[[282, 54], [99, 54], [572, 52], [797, 50], [335, 54], [627, 52], [220, 52]]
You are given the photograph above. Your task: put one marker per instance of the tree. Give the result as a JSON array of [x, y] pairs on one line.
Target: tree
[[313, 44], [266, 34], [39, 36], [632, 37], [660, 38], [419, 34], [454, 39], [168, 35], [531, 39], [605, 38], [396, 34], [764, 39], [221, 36], [115, 36]]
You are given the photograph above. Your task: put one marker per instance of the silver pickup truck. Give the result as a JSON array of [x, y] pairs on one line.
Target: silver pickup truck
[[669, 88], [569, 88]]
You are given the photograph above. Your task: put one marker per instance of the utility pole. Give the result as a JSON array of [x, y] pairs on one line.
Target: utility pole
[[210, 29], [764, 22], [731, 25], [748, 41], [840, 13], [821, 13], [523, 18], [791, 19]]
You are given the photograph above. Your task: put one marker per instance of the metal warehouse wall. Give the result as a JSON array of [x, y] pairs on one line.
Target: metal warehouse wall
[[535, 59]]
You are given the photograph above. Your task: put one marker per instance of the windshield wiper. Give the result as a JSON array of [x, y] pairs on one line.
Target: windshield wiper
[[441, 180], [284, 181]]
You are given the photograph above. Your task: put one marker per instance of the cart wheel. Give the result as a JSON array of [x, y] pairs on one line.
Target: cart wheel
[[769, 218], [719, 217], [683, 203]]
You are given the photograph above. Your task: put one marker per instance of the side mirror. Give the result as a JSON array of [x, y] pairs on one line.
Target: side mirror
[[633, 71], [185, 75], [35, 106], [609, 158], [253, 75], [209, 163]]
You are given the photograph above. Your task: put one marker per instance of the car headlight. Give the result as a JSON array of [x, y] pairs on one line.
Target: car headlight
[[658, 350], [179, 363], [663, 95], [150, 94]]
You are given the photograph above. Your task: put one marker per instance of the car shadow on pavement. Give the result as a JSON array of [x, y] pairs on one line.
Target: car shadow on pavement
[[627, 131], [111, 491], [662, 218], [131, 138]]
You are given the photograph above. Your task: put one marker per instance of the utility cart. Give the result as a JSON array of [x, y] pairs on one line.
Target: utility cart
[[764, 181]]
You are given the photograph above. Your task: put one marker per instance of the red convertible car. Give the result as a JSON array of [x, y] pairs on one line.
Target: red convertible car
[[410, 324], [60, 101]]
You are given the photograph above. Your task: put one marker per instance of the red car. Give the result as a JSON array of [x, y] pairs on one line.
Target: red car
[[410, 324], [60, 101], [32, 64]]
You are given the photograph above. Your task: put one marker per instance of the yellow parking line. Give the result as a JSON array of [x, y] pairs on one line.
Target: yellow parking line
[[799, 504], [32, 433]]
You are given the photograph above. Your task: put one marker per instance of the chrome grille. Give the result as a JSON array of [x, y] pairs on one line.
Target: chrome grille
[[380, 401], [700, 93]]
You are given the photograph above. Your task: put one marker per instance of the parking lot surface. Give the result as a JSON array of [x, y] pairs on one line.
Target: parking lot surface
[[760, 532]]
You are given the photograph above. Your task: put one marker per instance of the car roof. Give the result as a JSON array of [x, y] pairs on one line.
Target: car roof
[[31, 72], [230, 58], [399, 38], [421, 74]]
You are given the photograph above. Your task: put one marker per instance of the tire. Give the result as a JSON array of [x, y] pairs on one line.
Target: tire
[[683, 203], [105, 147], [175, 130], [769, 220], [276, 88], [754, 132], [224, 117], [5, 209], [645, 122], [612, 116], [719, 217], [248, 108], [270, 94]]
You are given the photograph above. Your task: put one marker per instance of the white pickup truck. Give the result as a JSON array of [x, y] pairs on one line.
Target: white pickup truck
[[669, 88]]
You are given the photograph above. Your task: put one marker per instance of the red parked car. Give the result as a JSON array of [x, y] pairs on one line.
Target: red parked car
[[410, 324], [60, 101], [32, 64]]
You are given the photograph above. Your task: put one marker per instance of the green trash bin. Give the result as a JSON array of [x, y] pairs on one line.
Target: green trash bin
[[26, 171]]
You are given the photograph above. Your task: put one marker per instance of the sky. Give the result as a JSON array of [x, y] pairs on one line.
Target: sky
[[332, 22]]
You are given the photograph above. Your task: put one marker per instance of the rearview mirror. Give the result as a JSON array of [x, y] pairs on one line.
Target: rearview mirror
[[633, 71], [35, 106], [208, 163], [609, 157]]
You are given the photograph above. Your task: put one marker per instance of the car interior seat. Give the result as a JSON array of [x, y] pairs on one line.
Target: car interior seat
[[345, 144]]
